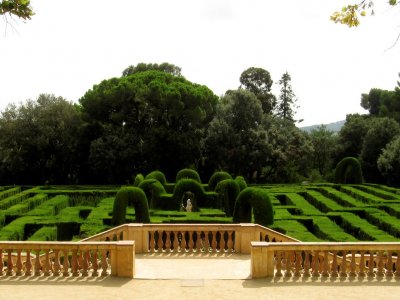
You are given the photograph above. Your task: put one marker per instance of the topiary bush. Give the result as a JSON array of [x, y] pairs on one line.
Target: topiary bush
[[217, 177], [227, 190], [241, 182], [130, 196], [138, 179], [188, 173], [157, 175], [188, 185], [153, 190], [255, 199], [348, 170]]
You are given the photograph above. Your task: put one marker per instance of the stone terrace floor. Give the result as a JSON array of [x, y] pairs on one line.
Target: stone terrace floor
[[189, 277]]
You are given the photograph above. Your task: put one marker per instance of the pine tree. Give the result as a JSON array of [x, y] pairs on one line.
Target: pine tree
[[286, 107]]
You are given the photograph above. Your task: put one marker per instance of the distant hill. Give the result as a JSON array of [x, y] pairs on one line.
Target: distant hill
[[335, 126]]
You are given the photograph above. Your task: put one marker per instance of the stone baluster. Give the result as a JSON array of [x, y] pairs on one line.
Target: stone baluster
[[229, 243], [10, 264], [168, 241], [176, 242], [85, 263], [278, 264], [334, 265], [38, 267], [74, 263], [353, 264], [104, 264], [19, 264], [152, 241], [66, 263], [389, 265], [325, 265], [379, 272], [1, 263], [397, 266], [56, 265], [315, 264], [361, 267], [288, 272], [343, 265], [206, 242], [47, 264], [28, 263], [371, 272], [160, 241], [297, 265], [306, 272], [214, 242], [95, 264], [198, 241], [191, 242]]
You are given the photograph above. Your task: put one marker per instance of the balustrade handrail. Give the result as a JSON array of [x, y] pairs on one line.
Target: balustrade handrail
[[325, 259]]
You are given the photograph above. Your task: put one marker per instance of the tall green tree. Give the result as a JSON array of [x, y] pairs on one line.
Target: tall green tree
[[286, 106], [389, 162], [259, 82], [324, 144], [38, 142], [160, 117]]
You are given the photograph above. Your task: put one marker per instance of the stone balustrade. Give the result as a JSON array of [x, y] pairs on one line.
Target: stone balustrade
[[192, 238], [68, 258], [292, 260]]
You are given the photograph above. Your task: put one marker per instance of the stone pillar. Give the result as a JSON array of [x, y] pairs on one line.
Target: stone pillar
[[248, 234], [123, 259], [137, 233], [262, 260]]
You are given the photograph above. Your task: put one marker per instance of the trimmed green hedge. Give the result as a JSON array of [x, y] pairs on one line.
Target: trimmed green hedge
[[157, 175], [153, 190], [348, 170], [241, 182], [255, 199], [138, 179], [188, 174], [217, 177], [133, 196], [227, 191], [192, 186]]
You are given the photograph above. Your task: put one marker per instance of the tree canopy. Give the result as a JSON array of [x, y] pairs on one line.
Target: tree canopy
[[20, 8]]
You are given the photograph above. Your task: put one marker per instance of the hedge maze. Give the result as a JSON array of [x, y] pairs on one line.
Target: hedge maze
[[315, 212]]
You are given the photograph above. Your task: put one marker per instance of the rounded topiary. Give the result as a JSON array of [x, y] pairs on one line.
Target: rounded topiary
[[348, 170], [255, 199], [241, 182], [188, 173], [217, 177], [138, 179], [188, 185], [153, 190], [157, 175], [228, 190], [130, 196]]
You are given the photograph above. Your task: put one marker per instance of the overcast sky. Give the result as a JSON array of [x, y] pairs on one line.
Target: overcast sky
[[69, 46]]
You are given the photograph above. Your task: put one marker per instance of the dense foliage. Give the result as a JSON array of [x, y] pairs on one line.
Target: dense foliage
[[348, 170]]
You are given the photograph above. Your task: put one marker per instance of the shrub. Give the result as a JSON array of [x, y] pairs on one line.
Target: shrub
[[153, 190], [228, 190], [138, 179], [188, 185], [217, 177], [130, 196], [157, 175], [348, 170], [256, 199], [241, 182], [188, 174]]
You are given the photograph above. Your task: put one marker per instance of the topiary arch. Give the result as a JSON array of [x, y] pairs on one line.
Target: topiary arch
[[228, 191], [255, 199], [188, 173], [217, 177], [188, 185], [153, 190], [348, 170], [130, 196]]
